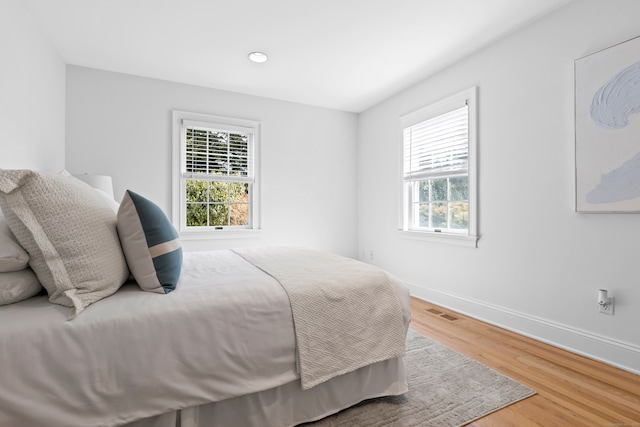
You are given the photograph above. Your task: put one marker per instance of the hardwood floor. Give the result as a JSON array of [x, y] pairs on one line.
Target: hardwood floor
[[572, 390]]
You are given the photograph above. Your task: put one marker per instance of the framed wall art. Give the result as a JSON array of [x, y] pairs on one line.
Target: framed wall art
[[607, 129]]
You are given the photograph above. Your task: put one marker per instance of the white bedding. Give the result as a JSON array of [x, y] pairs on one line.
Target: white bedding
[[225, 331]]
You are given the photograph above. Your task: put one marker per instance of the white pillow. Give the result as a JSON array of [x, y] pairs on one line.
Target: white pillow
[[12, 256], [110, 201], [18, 285], [69, 232]]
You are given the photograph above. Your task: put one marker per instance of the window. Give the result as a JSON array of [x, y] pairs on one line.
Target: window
[[215, 186], [439, 174]]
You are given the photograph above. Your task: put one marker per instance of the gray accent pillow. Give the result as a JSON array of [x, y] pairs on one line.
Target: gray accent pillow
[[18, 285], [69, 232]]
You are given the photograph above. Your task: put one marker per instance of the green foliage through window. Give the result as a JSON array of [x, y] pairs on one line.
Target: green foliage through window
[[217, 203], [443, 203]]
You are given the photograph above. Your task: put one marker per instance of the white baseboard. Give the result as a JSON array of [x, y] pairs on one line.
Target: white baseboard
[[620, 354]]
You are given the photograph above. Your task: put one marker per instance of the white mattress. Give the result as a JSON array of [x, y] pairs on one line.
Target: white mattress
[[225, 331]]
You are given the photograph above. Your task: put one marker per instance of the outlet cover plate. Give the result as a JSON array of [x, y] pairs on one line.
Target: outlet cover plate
[[608, 309]]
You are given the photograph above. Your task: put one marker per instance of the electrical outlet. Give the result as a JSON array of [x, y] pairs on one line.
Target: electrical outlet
[[607, 308], [371, 254]]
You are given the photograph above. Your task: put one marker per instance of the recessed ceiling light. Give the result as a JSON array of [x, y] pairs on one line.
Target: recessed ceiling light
[[258, 57]]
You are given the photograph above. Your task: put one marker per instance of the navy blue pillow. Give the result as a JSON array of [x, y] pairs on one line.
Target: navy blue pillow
[[150, 244]]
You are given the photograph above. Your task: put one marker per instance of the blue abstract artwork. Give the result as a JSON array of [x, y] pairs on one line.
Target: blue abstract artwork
[[607, 94]]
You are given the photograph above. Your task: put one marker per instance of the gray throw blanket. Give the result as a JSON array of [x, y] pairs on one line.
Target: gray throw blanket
[[346, 313]]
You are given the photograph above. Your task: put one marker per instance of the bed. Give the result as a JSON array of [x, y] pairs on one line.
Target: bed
[[273, 336]]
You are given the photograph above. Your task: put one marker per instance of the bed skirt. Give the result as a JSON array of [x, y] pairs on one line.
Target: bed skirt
[[288, 405]]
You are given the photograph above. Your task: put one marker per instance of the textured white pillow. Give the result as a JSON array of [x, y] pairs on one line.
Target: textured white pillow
[[12, 256], [69, 232], [18, 285]]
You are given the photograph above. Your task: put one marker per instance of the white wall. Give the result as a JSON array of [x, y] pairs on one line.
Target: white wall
[[32, 103], [539, 264], [120, 125]]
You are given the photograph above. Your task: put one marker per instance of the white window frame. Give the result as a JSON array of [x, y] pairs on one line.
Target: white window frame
[[179, 178], [470, 238]]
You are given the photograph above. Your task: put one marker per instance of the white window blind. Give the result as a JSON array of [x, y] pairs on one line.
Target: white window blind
[[437, 147], [219, 154]]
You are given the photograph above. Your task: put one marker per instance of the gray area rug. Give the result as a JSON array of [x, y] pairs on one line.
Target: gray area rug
[[446, 389]]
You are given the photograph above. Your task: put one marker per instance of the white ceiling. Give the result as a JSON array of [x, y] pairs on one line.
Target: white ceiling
[[341, 54]]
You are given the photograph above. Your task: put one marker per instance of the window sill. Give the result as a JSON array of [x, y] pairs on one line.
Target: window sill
[[445, 238], [221, 234]]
